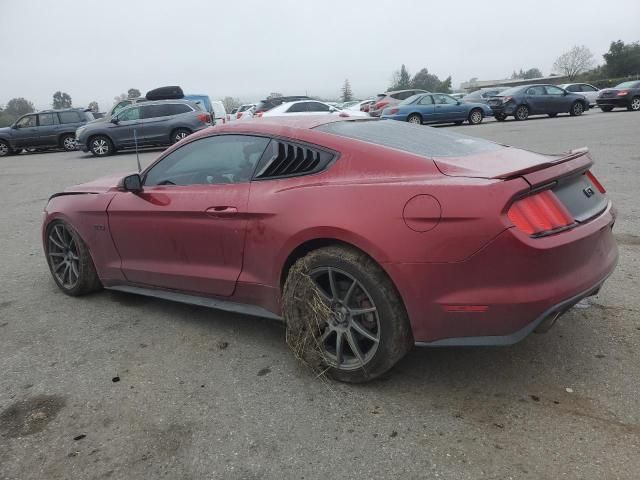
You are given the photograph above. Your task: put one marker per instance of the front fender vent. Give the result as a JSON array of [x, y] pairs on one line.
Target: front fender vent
[[284, 159]]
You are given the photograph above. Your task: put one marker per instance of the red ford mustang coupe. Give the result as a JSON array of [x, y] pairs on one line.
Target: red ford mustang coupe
[[413, 235]]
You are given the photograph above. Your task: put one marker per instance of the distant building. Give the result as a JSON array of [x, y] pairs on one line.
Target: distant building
[[474, 84]]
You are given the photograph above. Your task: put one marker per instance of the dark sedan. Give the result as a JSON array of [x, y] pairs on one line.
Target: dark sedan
[[625, 95], [526, 100]]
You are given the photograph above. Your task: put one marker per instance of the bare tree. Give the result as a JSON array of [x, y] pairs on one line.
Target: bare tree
[[572, 63]]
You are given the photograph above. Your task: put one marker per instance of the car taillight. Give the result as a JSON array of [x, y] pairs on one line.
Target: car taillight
[[596, 183], [381, 105], [204, 117], [622, 93], [506, 99], [259, 114], [393, 111], [539, 213], [238, 115]]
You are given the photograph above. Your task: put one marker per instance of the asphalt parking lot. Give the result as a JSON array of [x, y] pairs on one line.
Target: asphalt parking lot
[[115, 386]]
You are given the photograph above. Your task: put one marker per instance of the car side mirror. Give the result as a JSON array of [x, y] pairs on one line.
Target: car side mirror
[[115, 120], [131, 183]]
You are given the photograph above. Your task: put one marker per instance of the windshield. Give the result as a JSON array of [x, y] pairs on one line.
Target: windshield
[[627, 85], [410, 100]]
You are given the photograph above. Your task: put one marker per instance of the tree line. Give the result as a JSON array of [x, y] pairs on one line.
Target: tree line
[[17, 107]]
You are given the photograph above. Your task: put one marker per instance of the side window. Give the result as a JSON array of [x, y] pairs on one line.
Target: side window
[[26, 122], [298, 107], [537, 90], [69, 117], [317, 107], [211, 160], [154, 111], [554, 90], [444, 100], [132, 113], [45, 119], [588, 88], [426, 100], [177, 108]]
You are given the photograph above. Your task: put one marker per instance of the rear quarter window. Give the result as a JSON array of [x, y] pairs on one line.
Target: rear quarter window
[[69, 117], [425, 141]]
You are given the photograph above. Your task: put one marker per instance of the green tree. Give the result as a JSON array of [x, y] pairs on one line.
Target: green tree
[[430, 82], [526, 74], [133, 93], [61, 100], [622, 59], [401, 80], [347, 94], [94, 106], [574, 62], [15, 108]]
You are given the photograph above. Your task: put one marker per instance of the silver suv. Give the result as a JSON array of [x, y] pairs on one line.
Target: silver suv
[[145, 124], [390, 99]]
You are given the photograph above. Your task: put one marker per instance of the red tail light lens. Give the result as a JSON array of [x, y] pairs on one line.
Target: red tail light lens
[[622, 93], [592, 178], [381, 105], [204, 117], [506, 99], [539, 213], [393, 111], [259, 114], [238, 115]]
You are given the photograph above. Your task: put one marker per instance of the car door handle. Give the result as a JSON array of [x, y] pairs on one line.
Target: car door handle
[[222, 211]]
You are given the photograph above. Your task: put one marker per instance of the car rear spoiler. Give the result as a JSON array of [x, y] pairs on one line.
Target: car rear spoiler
[[554, 160]]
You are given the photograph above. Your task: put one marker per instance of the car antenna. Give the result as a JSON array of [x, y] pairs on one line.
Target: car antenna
[[135, 140]]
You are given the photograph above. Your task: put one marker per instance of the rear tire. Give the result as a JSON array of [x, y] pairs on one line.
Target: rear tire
[[606, 109], [475, 116], [522, 113], [415, 118], [179, 134], [355, 347], [5, 149], [635, 105], [577, 109], [101, 146], [69, 260], [68, 142]]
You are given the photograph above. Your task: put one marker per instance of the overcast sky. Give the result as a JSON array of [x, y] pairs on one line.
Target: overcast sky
[[96, 49]]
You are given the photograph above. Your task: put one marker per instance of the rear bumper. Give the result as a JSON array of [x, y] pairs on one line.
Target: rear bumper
[[504, 291], [614, 101], [504, 109]]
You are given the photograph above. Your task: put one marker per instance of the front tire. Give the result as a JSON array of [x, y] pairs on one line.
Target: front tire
[[415, 118], [366, 329], [522, 113], [635, 105], [69, 260], [101, 146], [475, 116], [68, 142], [577, 108]]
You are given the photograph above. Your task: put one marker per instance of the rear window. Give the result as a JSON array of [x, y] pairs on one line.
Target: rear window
[[425, 141], [510, 91], [410, 100], [69, 117], [628, 85]]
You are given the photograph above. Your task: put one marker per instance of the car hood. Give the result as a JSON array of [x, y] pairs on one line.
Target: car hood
[[502, 163], [100, 185]]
